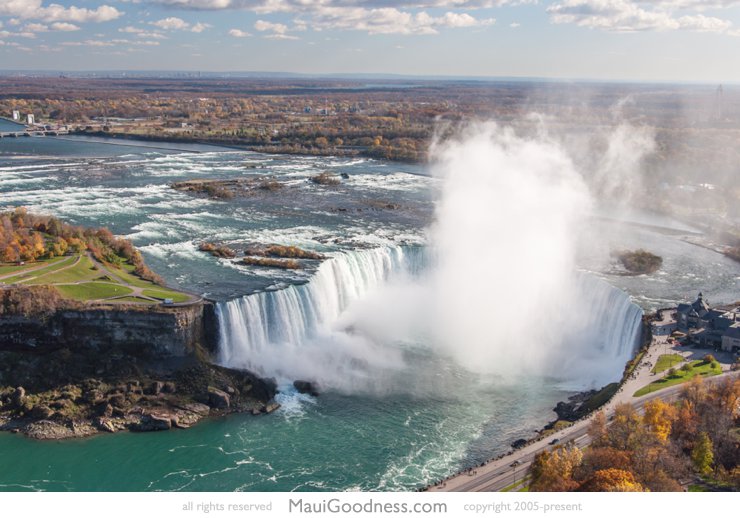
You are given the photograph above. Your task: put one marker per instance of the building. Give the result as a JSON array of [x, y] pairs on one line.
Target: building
[[665, 323], [16, 115], [731, 339], [692, 315], [30, 119]]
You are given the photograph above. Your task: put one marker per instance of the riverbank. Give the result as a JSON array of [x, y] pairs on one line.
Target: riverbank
[[241, 145], [72, 369], [507, 472], [570, 415]]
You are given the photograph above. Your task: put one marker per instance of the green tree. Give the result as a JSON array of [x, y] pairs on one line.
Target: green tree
[[702, 455]]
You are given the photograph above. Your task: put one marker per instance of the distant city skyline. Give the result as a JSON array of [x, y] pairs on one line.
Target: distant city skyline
[[632, 40]]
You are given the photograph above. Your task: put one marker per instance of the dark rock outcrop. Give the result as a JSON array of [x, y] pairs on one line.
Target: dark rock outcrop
[[218, 398], [519, 443], [306, 387]]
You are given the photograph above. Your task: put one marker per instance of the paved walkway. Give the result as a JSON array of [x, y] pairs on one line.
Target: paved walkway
[[136, 291], [35, 268], [511, 469]]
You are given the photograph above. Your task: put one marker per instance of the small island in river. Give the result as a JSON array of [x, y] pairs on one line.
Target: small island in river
[[639, 262]]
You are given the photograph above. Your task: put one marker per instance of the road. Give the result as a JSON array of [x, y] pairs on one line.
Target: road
[[510, 469]]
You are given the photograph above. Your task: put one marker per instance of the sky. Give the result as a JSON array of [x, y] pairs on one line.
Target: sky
[[633, 40]]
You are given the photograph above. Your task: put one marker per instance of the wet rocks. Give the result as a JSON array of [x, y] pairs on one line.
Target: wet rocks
[[18, 397], [306, 387], [153, 423], [218, 398], [519, 443]]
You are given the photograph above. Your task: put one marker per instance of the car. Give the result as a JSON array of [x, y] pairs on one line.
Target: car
[[554, 441], [514, 464]]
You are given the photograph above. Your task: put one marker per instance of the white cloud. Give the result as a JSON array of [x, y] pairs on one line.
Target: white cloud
[[278, 31], [200, 27], [178, 24], [171, 24], [36, 10], [131, 30], [514, 25], [294, 6], [36, 27], [238, 33], [389, 20], [88, 43], [636, 15], [64, 27], [372, 16]]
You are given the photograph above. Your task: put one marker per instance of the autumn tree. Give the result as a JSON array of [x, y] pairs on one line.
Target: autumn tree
[[553, 470], [612, 479], [658, 418], [702, 455]]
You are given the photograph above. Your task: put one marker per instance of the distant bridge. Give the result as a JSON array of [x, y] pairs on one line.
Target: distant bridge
[[34, 132]]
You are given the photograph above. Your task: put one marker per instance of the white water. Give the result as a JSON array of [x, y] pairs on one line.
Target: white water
[[351, 325], [298, 332], [502, 299]]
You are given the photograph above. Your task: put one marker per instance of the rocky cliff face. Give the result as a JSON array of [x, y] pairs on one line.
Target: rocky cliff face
[[161, 332], [79, 371]]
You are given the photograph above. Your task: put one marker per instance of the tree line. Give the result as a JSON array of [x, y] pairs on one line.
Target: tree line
[[31, 237], [662, 449]]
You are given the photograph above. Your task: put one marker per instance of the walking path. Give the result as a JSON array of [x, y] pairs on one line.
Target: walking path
[[35, 268], [511, 469], [116, 280]]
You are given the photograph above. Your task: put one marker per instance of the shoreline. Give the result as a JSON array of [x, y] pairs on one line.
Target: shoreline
[[646, 339], [256, 148]]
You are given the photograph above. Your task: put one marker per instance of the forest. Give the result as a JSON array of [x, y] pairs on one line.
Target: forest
[[694, 443]]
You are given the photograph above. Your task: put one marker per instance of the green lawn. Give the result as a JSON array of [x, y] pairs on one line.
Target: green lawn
[[164, 293], [93, 290], [126, 274], [698, 368], [52, 266], [80, 280], [601, 397], [666, 361], [133, 299], [82, 271], [6, 269]]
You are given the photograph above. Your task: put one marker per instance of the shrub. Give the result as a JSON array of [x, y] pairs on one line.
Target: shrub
[[325, 178]]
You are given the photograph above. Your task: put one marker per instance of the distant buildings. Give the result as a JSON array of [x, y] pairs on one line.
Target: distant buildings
[[16, 115], [690, 315], [30, 119], [731, 339], [712, 327]]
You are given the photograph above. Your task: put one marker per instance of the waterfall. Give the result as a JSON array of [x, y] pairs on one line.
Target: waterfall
[[604, 330], [304, 331], [294, 332]]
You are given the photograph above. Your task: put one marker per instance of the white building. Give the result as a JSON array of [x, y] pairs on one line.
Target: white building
[[16, 115], [30, 119]]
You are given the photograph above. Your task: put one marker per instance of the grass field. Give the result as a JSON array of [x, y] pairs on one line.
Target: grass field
[[27, 274], [79, 277], [126, 273], [666, 361], [93, 290], [698, 367], [6, 269], [163, 293], [138, 300], [84, 270]]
